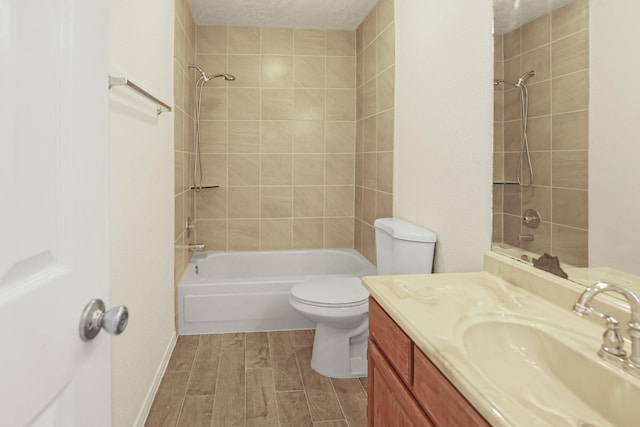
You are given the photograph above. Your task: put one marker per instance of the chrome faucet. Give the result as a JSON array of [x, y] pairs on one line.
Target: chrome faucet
[[612, 344], [193, 247]]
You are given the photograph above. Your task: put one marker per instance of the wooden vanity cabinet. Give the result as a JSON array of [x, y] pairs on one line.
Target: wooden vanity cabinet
[[405, 387]]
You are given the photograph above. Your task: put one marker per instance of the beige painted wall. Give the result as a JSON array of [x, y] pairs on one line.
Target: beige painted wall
[[141, 164], [279, 140], [375, 44], [614, 149], [443, 132]]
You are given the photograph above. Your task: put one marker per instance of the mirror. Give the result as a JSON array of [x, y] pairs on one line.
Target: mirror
[[565, 148]]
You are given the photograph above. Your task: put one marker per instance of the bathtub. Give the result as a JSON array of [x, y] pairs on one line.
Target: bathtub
[[249, 291]]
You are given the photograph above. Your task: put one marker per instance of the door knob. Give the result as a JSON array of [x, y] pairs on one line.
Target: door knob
[[95, 318]]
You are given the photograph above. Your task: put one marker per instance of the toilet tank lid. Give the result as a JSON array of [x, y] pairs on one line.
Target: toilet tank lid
[[404, 230]]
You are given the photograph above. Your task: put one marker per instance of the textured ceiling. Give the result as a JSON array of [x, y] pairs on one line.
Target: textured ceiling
[[320, 14], [511, 14]]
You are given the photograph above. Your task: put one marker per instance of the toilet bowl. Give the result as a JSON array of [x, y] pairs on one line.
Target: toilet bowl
[[340, 306]]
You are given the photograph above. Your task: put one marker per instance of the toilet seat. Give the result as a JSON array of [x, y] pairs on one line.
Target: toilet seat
[[340, 292]]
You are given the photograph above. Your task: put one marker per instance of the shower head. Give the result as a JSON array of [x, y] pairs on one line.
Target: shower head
[[524, 77], [227, 77], [206, 78]]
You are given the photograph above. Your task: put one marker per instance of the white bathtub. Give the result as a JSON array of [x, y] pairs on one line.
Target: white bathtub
[[249, 291]]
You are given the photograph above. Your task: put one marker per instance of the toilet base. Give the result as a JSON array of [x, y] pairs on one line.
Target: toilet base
[[340, 353]]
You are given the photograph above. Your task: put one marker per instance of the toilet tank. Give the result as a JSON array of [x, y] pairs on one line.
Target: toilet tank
[[403, 247]]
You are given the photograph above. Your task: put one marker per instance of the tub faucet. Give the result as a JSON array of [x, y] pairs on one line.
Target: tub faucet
[[193, 247], [582, 308]]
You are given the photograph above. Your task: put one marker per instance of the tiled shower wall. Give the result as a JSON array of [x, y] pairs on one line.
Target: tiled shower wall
[[556, 46], [279, 140], [184, 53], [375, 45]]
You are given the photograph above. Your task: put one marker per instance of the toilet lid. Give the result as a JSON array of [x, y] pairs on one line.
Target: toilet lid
[[334, 292]]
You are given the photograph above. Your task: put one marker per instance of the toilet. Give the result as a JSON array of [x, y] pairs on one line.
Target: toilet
[[340, 306]]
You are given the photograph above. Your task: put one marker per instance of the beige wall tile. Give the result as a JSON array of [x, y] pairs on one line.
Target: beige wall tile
[[178, 131], [369, 178], [277, 71], [359, 172], [539, 133], [570, 207], [212, 204], [340, 72], [244, 235], [539, 61], [277, 41], [570, 244], [211, 39], [538, 198], [276, 104], [244, 169], [214, 169], [308, 169], [512, 200], [511, 228], [384, 205], [341, 43], [512, 69], [359, 38], [358, 203], [276, 202], [213, 234], [339, 201], [309, 42], [308, 136], [384, 131], [309, 71], [246, 69], [498, 44], [539, 99], [340, 137], [498, 137], [244, 202], [341, 104], [385, 53], [244, 136], [244, 104], [511, 166], [369, 205], [339, 169], [214, 104], [178, 178], [276, 169], [386, 89], [512, 135], [308, 104], [541, 162], [369, 58], [357, 235], [541, 238], [275, 234], [384, 14], [498, 167], [570, 169], [512, 45], [277, 136], [338, 232], [360, 70], [496, 228], [570, 92], [308, 201], [369, 28], [385, 172], [179, 217], [570, 54], [498, 193], [536, 33], [370, 132], [569, 19], [244, 40], [571, 131], [308, 233], [369, 243], [213, 137]]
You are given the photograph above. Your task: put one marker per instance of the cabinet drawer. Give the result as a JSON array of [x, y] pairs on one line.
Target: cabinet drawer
[[393, 342], [439, 398]]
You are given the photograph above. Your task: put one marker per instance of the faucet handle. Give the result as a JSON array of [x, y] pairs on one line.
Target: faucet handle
[[612, 341]]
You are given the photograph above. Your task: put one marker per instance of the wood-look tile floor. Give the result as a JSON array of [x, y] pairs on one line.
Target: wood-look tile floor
[[253, 379]]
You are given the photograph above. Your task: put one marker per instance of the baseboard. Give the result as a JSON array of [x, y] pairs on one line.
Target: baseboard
[[151, 394]]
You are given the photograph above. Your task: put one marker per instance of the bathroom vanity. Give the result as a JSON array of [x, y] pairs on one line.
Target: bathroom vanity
[[499, 347]]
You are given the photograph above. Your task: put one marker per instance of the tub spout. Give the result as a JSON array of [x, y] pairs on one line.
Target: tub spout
[[193, 247]]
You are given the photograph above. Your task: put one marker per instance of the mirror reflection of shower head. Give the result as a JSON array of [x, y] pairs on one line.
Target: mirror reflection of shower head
[[524, 77], [206, 78]]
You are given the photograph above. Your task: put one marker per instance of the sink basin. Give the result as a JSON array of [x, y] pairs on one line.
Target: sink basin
[[551, 372]]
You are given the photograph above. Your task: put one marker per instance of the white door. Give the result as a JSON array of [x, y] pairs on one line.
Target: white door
[[53, 211]]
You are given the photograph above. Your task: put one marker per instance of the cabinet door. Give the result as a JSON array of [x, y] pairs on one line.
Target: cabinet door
[[390, 403]]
